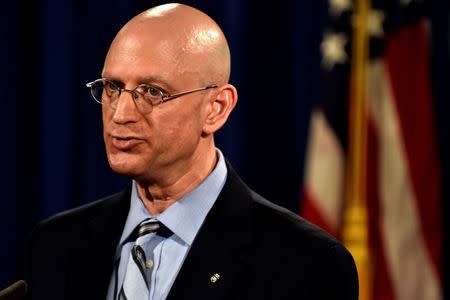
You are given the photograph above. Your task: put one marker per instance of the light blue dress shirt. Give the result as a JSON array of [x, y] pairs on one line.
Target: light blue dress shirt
[[184, 218]]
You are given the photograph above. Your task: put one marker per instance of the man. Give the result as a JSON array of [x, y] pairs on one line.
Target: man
[[188, 227]]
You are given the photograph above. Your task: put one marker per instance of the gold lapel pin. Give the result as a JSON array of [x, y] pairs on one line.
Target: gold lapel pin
[[214, 278]]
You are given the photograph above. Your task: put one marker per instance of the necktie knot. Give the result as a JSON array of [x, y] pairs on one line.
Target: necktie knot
[[148, 227]]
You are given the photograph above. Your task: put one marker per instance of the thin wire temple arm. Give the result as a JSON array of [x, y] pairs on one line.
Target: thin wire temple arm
[[173, 96]]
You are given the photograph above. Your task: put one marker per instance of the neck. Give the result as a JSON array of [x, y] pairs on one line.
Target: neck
[[158, 195]]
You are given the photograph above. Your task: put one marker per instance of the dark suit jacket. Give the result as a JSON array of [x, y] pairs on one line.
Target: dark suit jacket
[[259, 250]]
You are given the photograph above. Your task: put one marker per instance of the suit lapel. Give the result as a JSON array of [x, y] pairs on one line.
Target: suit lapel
[[93, 259], [215, 264]]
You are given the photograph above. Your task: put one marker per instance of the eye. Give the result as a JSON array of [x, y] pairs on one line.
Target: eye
[[110, 88], [152, 91], [151, 94]]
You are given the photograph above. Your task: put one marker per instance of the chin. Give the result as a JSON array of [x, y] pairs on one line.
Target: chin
[[125, 164]]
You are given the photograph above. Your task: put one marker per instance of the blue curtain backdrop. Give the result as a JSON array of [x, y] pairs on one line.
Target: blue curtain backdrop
[[52, 154]]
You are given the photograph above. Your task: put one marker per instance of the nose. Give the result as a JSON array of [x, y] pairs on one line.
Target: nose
[[126, 110]]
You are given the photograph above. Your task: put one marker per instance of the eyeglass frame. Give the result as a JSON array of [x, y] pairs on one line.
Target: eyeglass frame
[[164, 95]]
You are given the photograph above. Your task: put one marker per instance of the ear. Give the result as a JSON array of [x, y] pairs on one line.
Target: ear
[[221, 107]]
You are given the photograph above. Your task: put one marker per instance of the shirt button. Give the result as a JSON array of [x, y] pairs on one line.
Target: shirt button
[[149, 263]]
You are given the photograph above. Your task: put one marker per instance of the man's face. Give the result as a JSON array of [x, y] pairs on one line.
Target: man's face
[[142, 145]]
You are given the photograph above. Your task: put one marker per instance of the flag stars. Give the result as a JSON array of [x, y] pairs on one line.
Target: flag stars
[[337, 7], [375, 23], [333, 50]]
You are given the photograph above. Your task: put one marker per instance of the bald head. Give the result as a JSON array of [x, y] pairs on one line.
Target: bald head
[[177, 50], [183, 39]]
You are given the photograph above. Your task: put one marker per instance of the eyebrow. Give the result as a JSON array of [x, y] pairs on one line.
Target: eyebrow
[[152, 79], [147, 79]]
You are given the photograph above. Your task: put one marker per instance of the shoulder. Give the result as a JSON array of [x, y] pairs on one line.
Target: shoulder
[[67, 240], [53, 240], [271, 220], [304, 248], [274, 218], [78, 218], [288, 227]]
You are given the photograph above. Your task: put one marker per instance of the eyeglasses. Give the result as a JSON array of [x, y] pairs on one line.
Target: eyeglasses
[[106, 92]]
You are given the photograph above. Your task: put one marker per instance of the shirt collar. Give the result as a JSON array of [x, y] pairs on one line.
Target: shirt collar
[[184, 217]]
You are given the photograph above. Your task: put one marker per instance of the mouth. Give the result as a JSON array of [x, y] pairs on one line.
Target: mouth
[[125, 143]]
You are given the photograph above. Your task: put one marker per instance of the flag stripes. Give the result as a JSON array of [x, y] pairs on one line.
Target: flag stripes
[[403, 174]]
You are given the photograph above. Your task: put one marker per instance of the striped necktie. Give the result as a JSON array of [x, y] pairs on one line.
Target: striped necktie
[[136, 282]]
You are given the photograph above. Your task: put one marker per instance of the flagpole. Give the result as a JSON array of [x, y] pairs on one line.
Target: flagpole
[[355, 222]]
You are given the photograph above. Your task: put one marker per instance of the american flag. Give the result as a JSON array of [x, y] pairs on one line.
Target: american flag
[[401, 169]]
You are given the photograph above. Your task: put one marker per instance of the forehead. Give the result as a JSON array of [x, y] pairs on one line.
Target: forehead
[[154, 48], [139, 55]]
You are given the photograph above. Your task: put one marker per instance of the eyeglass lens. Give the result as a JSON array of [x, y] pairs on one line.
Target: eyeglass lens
[[145, 96]]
